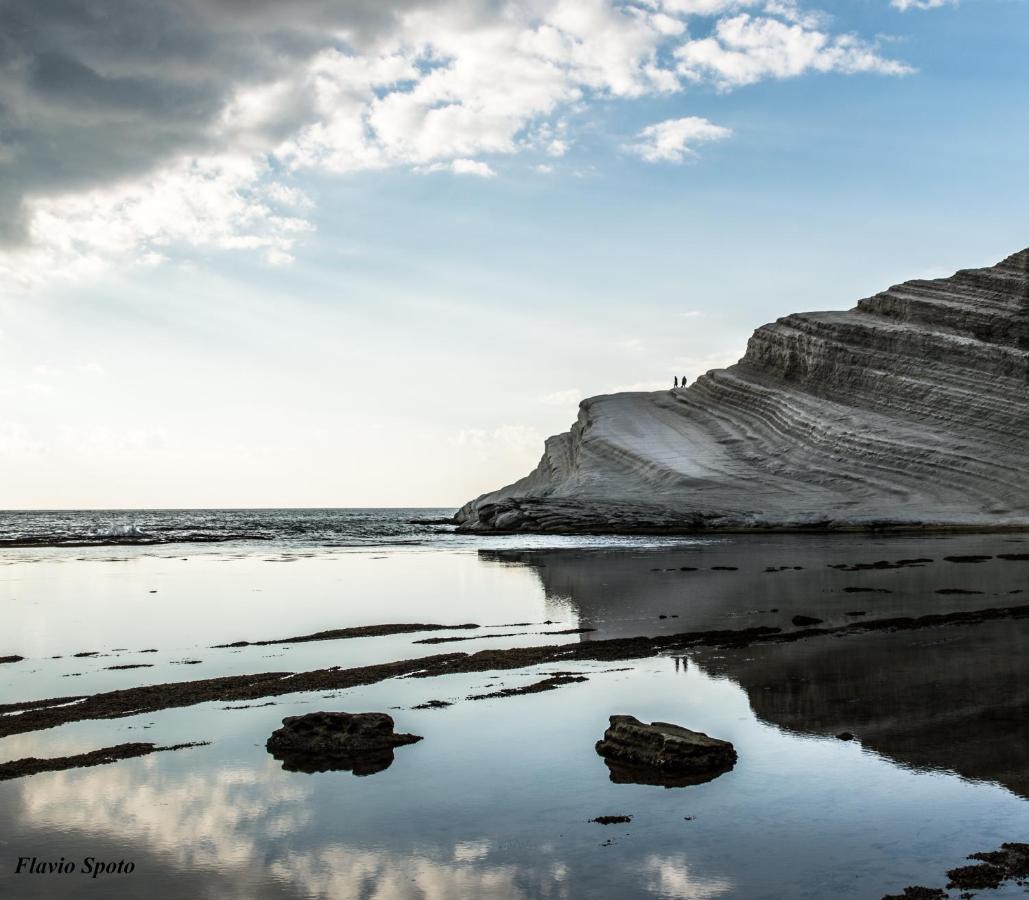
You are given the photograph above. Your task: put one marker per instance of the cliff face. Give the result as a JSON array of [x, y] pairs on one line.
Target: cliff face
[[912, 409]]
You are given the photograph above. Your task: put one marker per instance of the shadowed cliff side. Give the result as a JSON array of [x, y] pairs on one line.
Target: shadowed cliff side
[[910, 411]]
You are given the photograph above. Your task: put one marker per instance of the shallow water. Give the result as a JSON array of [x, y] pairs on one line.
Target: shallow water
[[495, 801]]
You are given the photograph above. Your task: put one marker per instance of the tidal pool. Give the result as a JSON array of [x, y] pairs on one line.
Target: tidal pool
[[496, 800]]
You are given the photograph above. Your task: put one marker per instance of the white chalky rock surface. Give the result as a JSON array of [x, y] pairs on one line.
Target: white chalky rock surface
[[911, 409]]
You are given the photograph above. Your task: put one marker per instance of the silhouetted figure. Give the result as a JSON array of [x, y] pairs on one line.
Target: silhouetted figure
[[675, 381], [684, 381]]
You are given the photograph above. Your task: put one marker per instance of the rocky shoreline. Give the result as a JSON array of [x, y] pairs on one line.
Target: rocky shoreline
[[35, 715]]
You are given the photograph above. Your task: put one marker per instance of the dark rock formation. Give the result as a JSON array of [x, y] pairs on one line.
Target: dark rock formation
[[918, 892], [909, 411], [32, 765], [327, 741], [662, 754]]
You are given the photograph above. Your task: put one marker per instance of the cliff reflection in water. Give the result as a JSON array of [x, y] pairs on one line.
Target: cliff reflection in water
[[953, 698]]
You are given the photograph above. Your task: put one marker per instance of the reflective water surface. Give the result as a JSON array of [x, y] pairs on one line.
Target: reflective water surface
[[496, 800]]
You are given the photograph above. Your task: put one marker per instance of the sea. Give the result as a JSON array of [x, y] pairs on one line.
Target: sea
[[256, 529], [499, 798]]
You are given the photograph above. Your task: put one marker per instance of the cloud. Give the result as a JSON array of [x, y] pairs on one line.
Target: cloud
[[638, 386], [472, 167], [905, 5], [509, 437], [670, 141], [631, 344], [570, 397], [131, 133], [215, 202], [745, 49]]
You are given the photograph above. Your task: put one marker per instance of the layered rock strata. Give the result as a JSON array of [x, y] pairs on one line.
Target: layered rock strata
[[910, 410]]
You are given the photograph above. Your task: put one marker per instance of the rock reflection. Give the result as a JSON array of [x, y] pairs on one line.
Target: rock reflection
[[956, 698], [740, 582]]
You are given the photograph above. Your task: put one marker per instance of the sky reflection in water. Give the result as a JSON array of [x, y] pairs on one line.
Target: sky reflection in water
[[495, 801]]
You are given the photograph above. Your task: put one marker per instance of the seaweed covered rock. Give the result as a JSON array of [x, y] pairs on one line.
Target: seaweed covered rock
[[325, 741], [662, 754]]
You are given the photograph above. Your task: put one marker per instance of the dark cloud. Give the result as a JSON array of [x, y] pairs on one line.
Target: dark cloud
[[92, 91]]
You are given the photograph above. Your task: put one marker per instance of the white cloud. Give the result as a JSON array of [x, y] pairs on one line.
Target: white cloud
[[638, 386], [905, 5], [440, 87], [745, 49], [17, 442], [218, 202], [570, 397], [704, 7], [671, 140], [472, 167], [509, 437], [631, 344]]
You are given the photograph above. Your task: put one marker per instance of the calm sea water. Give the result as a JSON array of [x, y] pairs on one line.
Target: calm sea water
[[262, 528], [495, 802]]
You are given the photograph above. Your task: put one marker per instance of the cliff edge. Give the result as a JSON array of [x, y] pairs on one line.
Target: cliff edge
[[910, 410]]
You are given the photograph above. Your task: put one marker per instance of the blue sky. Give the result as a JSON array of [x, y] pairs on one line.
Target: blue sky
[[306, 291]]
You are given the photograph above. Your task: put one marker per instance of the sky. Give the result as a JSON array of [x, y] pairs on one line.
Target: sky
[[370, 253]]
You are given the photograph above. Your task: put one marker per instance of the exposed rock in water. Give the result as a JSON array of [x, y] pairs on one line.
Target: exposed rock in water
[[612, 820], [662, 754], [33, 715], [908, 411], [11, 659], [31, 765], [882, 564], [918, 892], [358, 631], [325, 741], [805, 621], [551, 682]]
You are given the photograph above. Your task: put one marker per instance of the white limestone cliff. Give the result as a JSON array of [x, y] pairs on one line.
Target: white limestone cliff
[[910, 410]]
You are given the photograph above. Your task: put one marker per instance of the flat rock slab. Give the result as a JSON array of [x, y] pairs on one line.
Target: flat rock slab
[[329, 741], [662, 754]]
